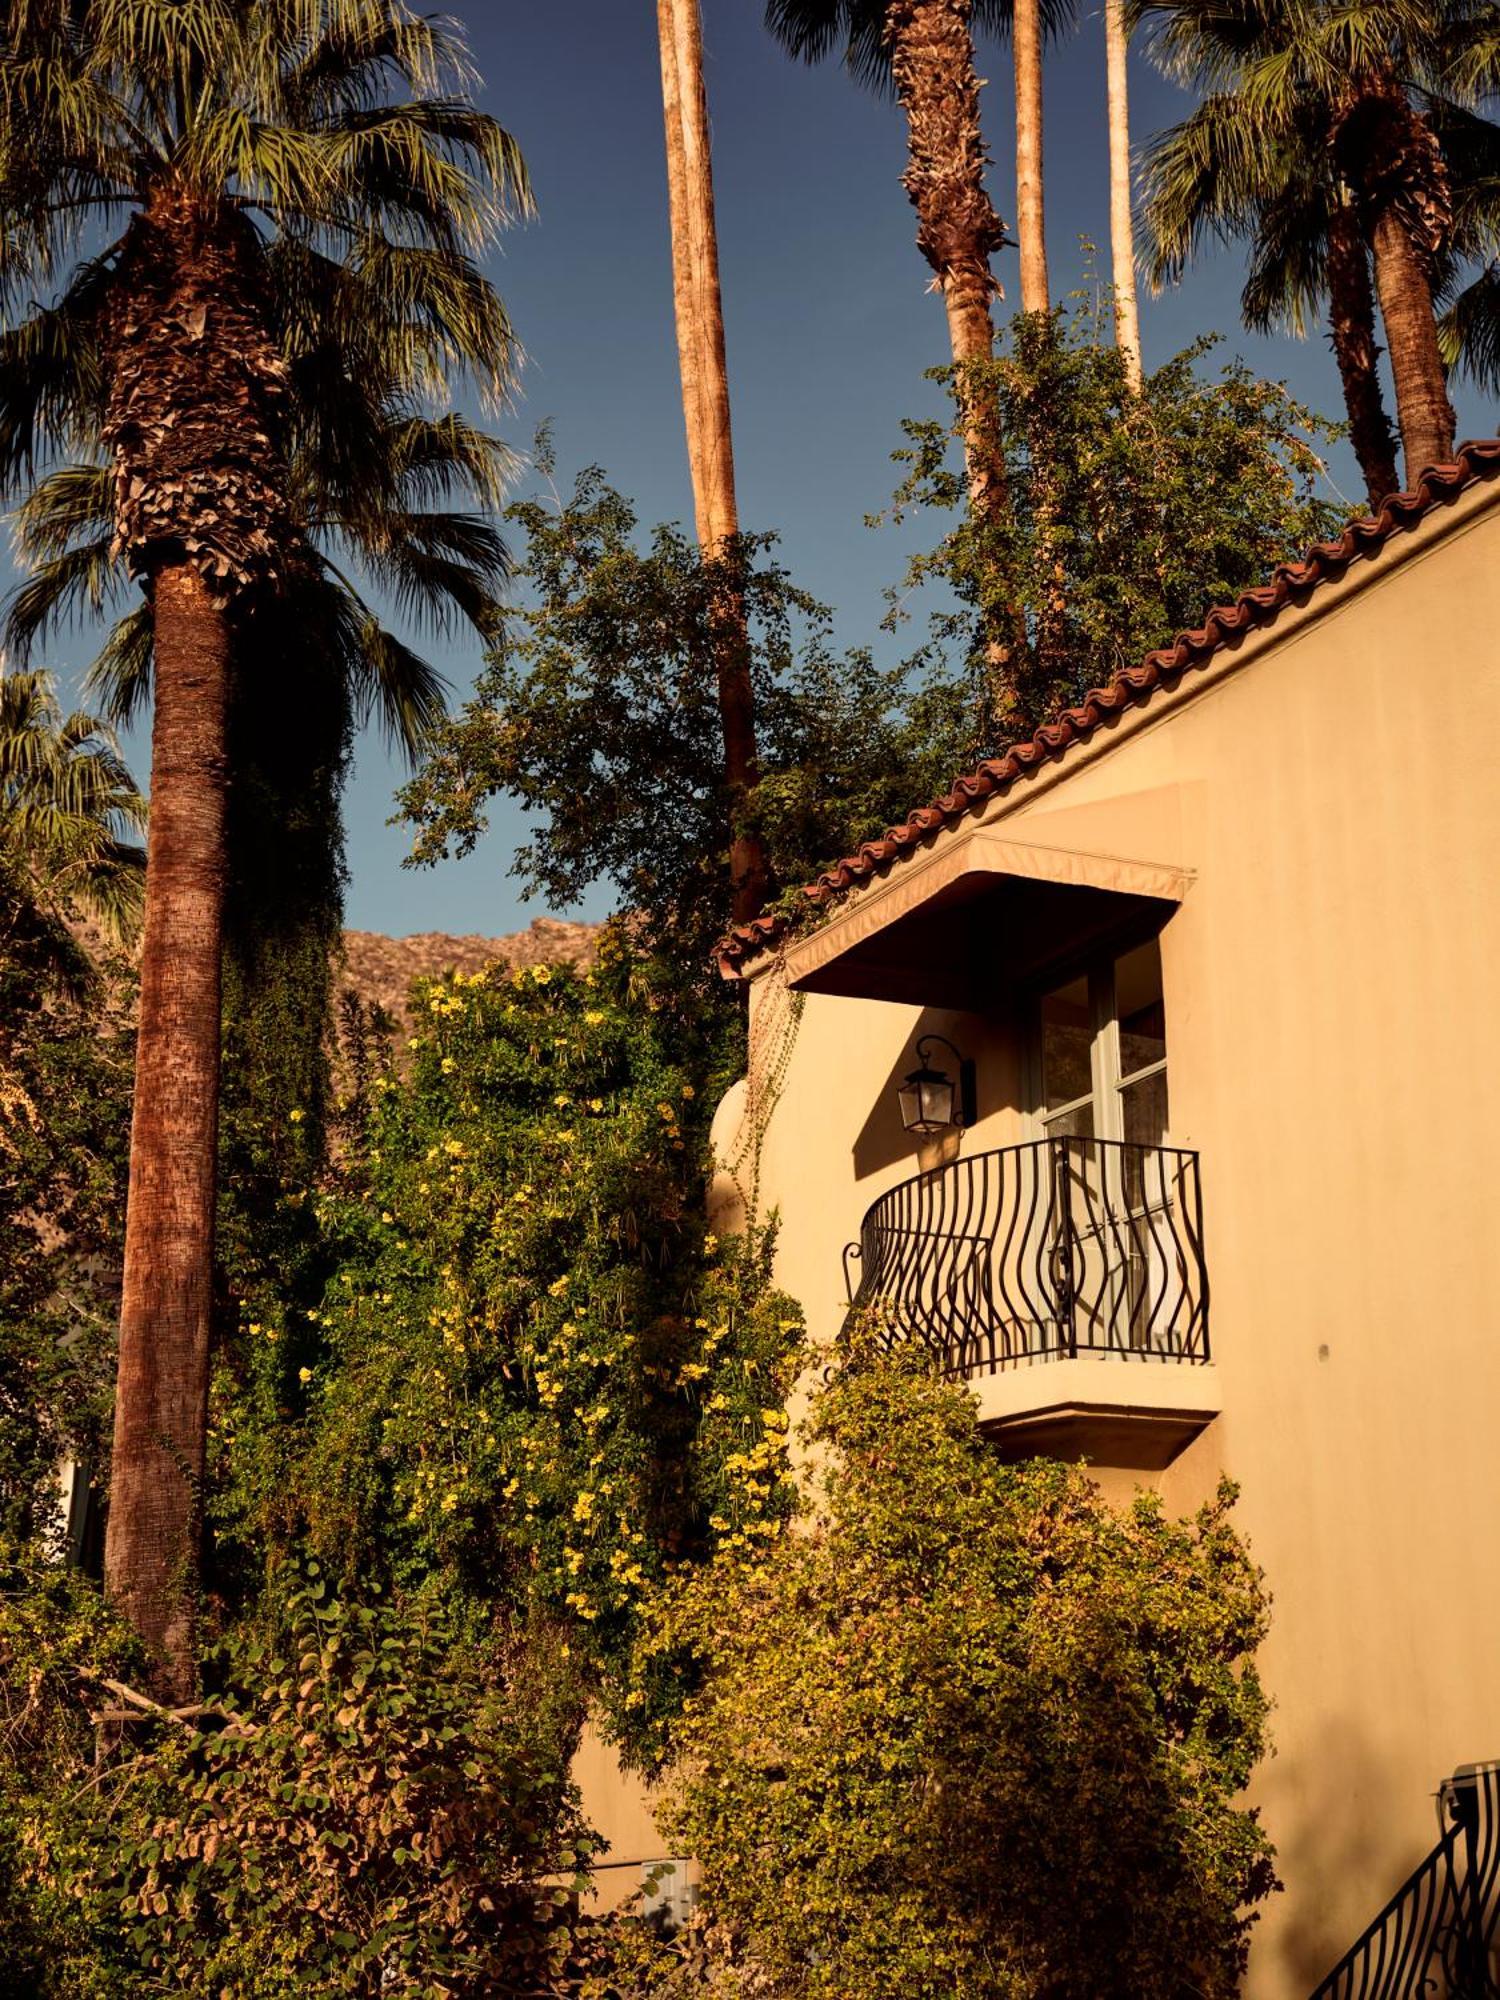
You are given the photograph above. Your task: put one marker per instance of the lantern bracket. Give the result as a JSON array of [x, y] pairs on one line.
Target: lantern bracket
[[968, 1096]]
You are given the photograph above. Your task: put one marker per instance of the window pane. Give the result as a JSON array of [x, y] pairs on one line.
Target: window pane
[[1075, 1123], [1142, 1016], [1144, 1107], [1067, 1043]]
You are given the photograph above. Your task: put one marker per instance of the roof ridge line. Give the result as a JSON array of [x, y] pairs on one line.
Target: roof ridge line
[[1258, 606]]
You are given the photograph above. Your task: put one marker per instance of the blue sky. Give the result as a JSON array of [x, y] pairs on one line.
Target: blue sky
[[829, 322]]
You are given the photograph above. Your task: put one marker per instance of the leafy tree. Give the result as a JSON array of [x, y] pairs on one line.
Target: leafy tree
[[301, 184], [65, 1077], [596, 711], [968, 1730], [69, 809], [70, 895], [1132, 513], [1322, 138], [58, 1646], [366, 1806]]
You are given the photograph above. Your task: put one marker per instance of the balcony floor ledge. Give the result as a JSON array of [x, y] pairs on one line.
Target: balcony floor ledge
[[1115, 1411]]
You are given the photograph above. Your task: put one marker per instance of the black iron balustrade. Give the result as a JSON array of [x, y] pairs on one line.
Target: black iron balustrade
[[1061, 1247], [1438, 1938]]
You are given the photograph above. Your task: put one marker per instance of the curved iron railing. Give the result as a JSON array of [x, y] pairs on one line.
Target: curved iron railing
[[1438, 1938], [1060, 1247]]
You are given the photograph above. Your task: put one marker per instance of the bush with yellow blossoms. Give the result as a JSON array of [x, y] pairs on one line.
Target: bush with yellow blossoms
[[534, 1387]]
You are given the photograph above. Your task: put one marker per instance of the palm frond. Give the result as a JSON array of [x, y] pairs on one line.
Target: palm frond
[[1469, 331]]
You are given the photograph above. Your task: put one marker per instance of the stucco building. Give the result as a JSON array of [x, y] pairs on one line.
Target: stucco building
[[1210, 951]]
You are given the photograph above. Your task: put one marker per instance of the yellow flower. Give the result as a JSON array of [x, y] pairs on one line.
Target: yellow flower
[[688, 1090], [562, 1100], [304, 1375], [593, 1017], [541, 974], [298, 1116], [449, 1065]]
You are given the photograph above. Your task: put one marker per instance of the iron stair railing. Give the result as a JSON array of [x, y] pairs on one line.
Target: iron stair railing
[[1438, 1938], [1060, 1247]]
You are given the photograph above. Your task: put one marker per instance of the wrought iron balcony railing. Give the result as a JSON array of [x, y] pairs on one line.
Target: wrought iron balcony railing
[[1438, 1938], [1059, 1248]]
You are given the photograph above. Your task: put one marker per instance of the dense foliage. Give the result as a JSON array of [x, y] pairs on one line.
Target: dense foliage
[[365, 1807], [598, 711], [968, 1730], [69, 814], [532, 1385], [1130, 515], [65, 1075]]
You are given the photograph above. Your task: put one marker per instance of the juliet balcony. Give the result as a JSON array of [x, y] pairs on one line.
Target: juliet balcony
[[1064, 1280]]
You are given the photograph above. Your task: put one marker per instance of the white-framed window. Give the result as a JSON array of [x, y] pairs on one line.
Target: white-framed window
[[1099, 1053]]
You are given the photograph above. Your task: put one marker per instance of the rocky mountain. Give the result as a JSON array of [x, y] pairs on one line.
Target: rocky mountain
[[382, 969]]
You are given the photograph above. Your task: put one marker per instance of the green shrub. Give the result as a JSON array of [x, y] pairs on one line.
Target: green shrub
[[968, 1731]]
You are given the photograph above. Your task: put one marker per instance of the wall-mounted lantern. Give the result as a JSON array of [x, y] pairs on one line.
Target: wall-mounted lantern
[[930, 1100]]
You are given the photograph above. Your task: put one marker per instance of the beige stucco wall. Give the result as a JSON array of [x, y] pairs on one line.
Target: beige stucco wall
[[1331, 982]]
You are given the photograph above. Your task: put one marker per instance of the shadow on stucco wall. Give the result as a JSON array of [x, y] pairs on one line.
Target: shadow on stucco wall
[[883, 1142], [1357, 1837]]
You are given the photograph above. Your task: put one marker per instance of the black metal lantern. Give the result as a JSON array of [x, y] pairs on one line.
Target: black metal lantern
[[930, 1100]]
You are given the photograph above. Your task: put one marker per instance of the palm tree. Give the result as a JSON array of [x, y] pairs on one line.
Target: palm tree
[[1031, 221], [923, 50], [705, 400], [301, 184], [316, 649], [1346, 100], [1221, 174], [1121, 227], [70, 815]]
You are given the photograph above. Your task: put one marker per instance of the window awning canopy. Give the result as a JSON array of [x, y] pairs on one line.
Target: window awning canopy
[[978, 917]]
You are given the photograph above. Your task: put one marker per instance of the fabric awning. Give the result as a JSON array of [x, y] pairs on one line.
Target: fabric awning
[[980, 916]]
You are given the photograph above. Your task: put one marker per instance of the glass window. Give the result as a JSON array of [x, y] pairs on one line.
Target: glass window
[[1109, 1025], [1067, 1045], [1139, 1009], [1143, 1109]]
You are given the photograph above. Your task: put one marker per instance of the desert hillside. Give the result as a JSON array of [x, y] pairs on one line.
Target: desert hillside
[[382, 969]]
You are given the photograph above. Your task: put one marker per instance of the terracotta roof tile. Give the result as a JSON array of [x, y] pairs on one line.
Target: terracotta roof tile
[[1160, 672]]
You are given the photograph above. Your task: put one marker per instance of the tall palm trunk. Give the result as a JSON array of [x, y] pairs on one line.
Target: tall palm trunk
[[1351, 310], [193, 421], [932, 65], [1121, 229], [1031, 226], [1392, 157], [699, 310], [1403, 281], [161, 1396]]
